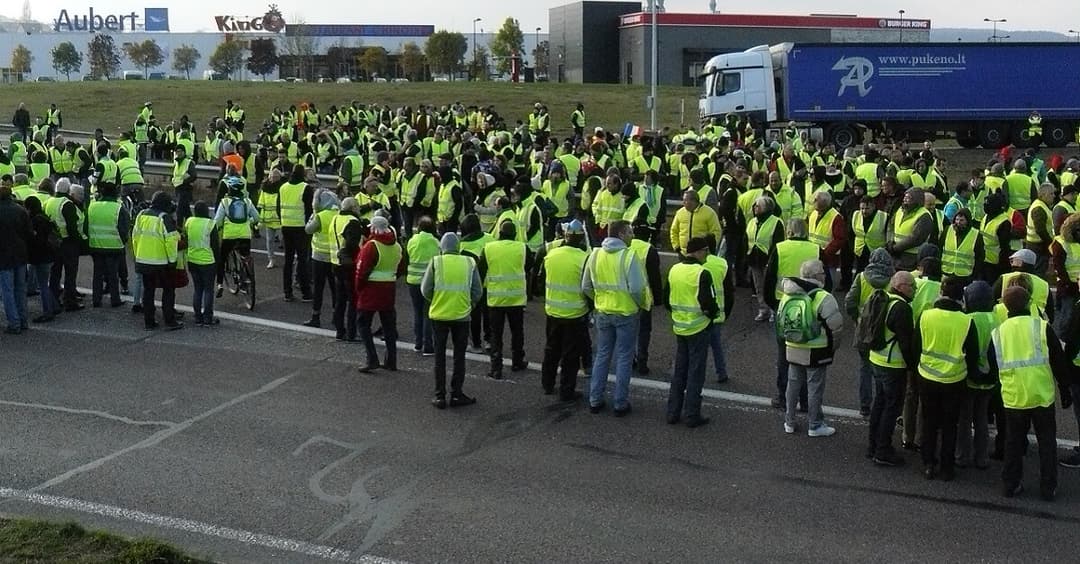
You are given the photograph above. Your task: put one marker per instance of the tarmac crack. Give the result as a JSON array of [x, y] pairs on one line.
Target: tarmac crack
[[90, 412]]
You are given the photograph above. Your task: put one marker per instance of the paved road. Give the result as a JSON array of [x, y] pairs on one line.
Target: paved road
[[258, 444]]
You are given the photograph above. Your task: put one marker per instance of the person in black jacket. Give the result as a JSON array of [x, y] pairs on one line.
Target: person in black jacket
[[21, 120], [15, 232], [41, 253], [351, 237]]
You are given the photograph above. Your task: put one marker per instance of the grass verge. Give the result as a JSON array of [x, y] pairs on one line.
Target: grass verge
[[25, 541], [112, 105]]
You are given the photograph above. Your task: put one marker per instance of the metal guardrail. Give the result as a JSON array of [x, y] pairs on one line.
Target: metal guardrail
[[161, 168]]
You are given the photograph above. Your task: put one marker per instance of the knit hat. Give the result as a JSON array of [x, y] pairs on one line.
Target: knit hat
[[380, 225], [450, 242], [696, 244], [573, 227]]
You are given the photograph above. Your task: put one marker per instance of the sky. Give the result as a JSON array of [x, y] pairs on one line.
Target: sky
[[457, 15]]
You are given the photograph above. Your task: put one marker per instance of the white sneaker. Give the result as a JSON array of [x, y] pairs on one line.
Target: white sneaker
[[761, 316], [270, 265], [822, 431], [789, 429], [772, 318]]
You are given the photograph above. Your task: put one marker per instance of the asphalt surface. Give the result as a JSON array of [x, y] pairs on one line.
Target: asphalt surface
[[247, 443]]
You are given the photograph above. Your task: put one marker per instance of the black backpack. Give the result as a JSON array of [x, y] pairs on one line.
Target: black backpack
[[870, 331]]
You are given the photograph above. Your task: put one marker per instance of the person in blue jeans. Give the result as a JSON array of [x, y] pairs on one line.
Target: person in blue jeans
[[615, 281], [15, 232], [41, 252]]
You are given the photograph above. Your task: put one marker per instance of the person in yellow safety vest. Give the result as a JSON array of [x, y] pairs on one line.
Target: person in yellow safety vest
[[420, 248], [21, 188], [890, 365], [154, 242], [17, 153], [346, 234], [783, 262], [1020, 187], [557, 190], [1065, 251], [694, 307], [646, 161], [808, 349], [614, 279], [503, 266], [868, 226], [270, 214], [1040, 226], [949, 350], [911, 226], [566, 312], [961, 199], [372, 199], [108, 228], [450, 201], [236, 219], [487, 194], [693, 220], [295, 200], [130, 175], [1034, 130], [54, 120], [577, 121], [326, 206], [763, 232], [981, 387], [203, 237], [1025, 355], [379, 264], [962, 249], [1066, 206], [183, 182], [723, 280], [65, 211], [608, 205], [106, 172], [530, 219], [351, 173], [788, 201], [451, 284], [828, 230], [871, 172], [473, 240]]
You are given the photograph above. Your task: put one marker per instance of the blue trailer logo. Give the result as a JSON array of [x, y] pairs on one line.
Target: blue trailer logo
[[859, 71]]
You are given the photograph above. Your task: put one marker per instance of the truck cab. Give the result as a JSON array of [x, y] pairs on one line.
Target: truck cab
[[742, 83]]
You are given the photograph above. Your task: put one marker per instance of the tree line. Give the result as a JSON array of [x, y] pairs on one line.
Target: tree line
[[443, 53]]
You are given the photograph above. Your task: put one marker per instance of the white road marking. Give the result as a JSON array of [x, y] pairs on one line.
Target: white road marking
[[637, 382], [92, 412], [198, 527]]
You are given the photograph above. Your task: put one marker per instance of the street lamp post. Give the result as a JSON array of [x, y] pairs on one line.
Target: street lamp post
[[901, 26], [994, 37], [536, 53], [475, 59], [1076, 33], [655, 68]]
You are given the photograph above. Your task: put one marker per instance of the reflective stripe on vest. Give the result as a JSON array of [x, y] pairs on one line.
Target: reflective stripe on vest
[[422, 247], [291, 202], [1072, 258], [890, 355], [451, 298], [686, 316], [790, 255], [1023, 361], [991, 243], [718, 269], [180, 172], [198, 231], [149, 241], [874, 238], [959, 259], [904, 226], [760, 234], [943, 334], [1048, 221], [563, 298], [337, 241], [610, 280], [102, 219], [386, 268], [320, 240], [505, 277], [821, 227]]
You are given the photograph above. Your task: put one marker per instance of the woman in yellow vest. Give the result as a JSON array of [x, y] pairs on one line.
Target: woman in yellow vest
[[270, 215], [202, 238]]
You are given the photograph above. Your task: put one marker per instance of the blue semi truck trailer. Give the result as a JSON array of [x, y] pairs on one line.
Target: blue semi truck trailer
[[982, 94]]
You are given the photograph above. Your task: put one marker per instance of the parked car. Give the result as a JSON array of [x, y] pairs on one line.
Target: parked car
[[44, 79], [132, 75], [157, 76], [400, 80], [344, 80]]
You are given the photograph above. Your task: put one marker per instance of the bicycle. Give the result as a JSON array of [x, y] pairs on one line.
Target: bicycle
[[240, 277]]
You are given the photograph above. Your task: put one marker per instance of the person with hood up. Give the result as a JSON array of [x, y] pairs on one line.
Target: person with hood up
[[452, 287], [614, 279], [876, 276], [155, 244], [41, 252], [889, 366], [319, 227], [999, 240], [347, 232], [378, 266], [808, 362], [974, 414]]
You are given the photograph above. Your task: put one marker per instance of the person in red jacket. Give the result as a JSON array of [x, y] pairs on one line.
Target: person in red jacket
[[379, 264]]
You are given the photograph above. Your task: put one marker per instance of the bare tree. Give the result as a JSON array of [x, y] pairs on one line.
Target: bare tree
[[301, 49]]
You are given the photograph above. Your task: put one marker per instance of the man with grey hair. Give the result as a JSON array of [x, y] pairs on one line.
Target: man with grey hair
[[828, 231], [378, 267], [65, 211], [1040, 227], [911, 226], [763, 232], [1020, 187], [809, 318]]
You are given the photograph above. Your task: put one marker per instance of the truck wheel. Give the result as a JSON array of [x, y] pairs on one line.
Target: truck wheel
[[1057, 134], [844, 136], [994, 135]]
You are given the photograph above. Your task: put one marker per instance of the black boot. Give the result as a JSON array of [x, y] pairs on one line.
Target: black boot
[[314, 321]]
